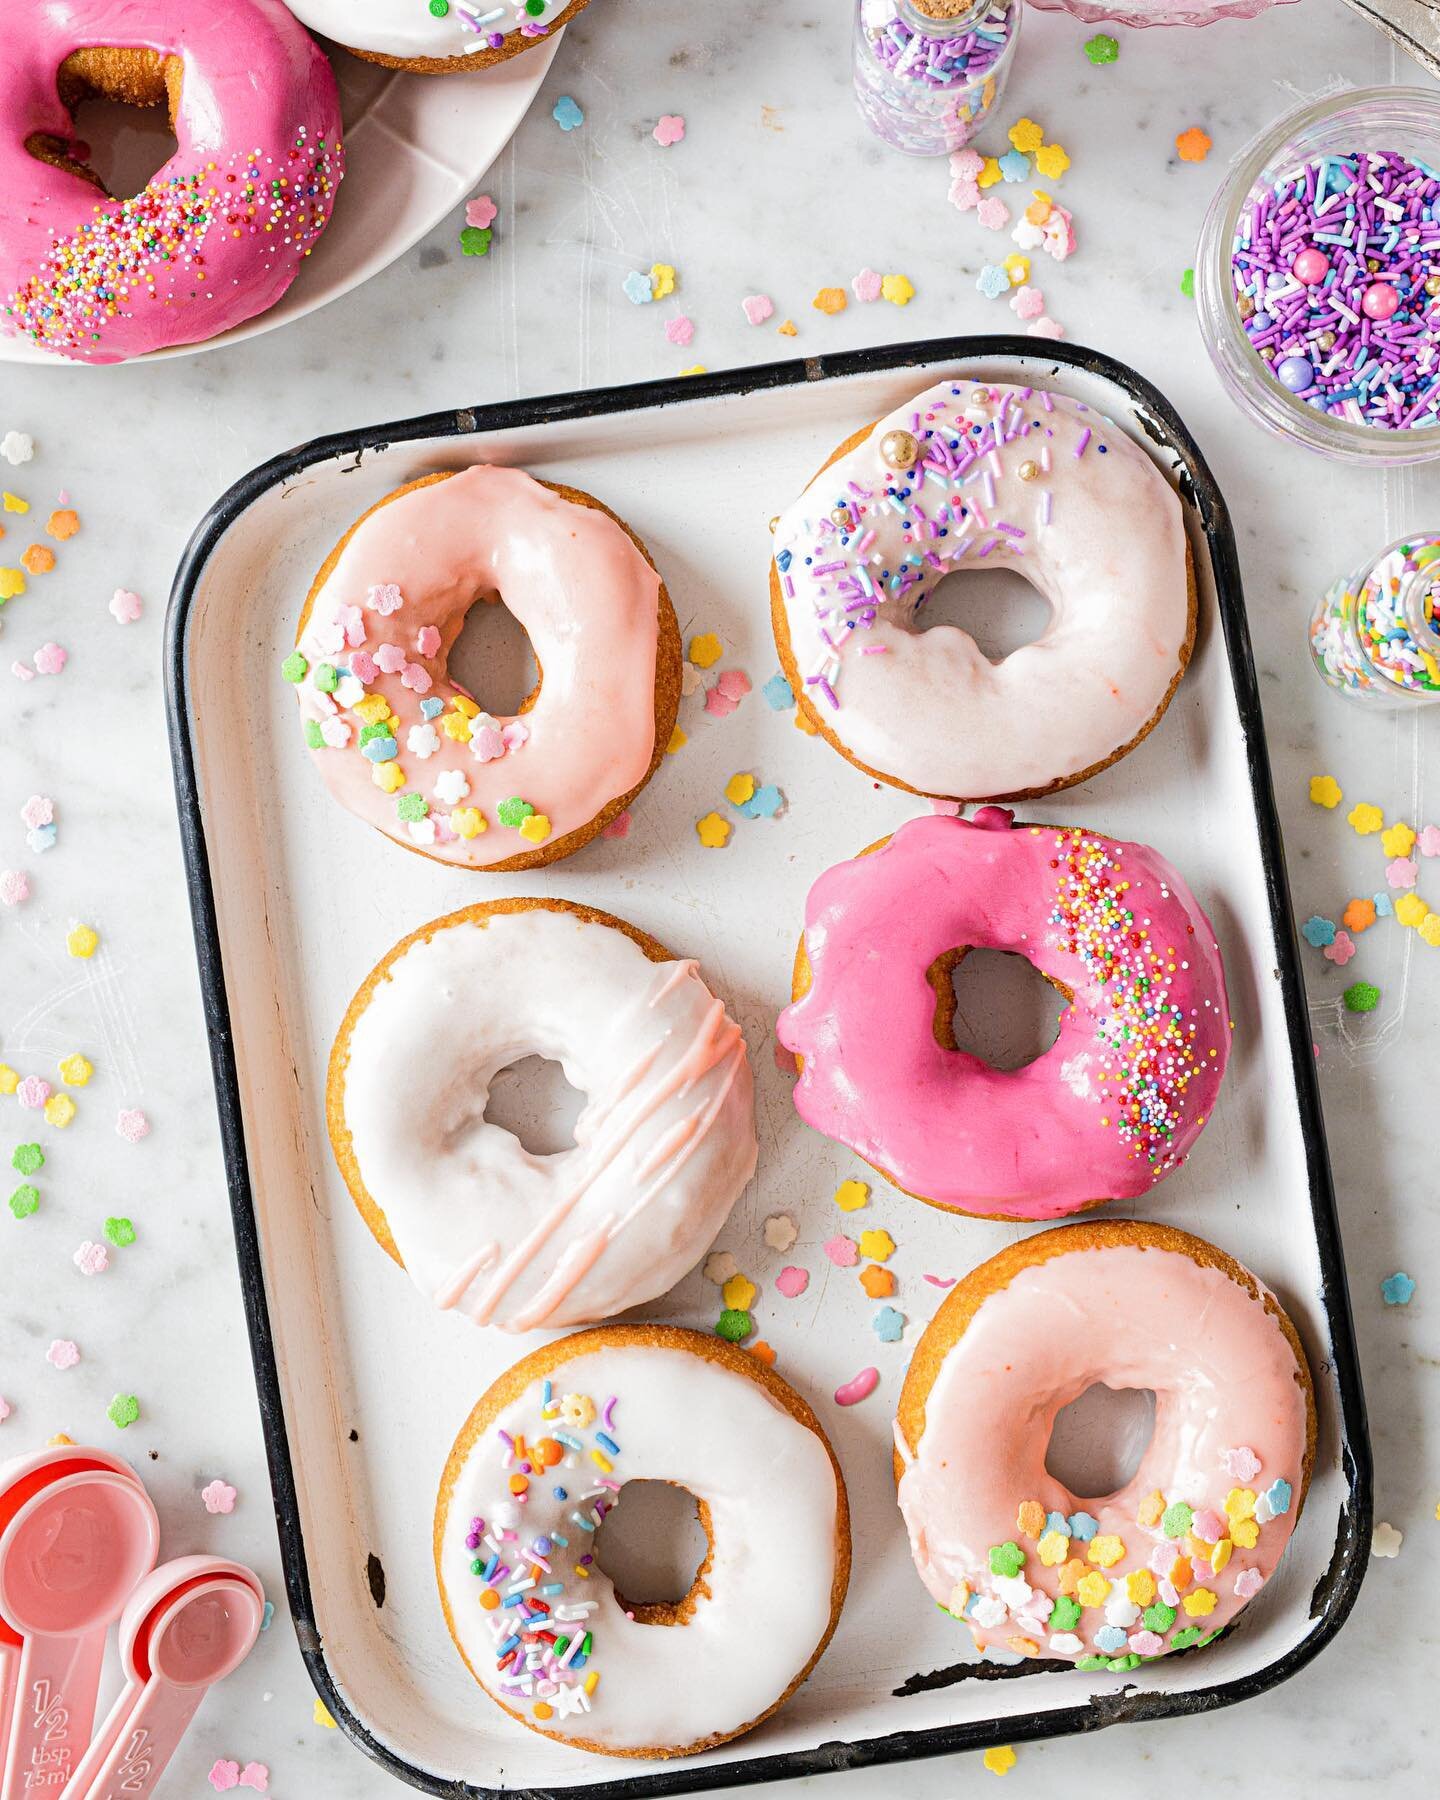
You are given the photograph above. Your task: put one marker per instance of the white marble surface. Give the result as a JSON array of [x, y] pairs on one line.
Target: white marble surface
[[776, 190]]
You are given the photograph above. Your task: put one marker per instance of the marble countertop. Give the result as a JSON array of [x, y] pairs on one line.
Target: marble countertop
[[776, 189]]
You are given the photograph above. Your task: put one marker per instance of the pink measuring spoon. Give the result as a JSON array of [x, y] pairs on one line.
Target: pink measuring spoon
[[71, 1553], [20, 1479], [187, 1626]]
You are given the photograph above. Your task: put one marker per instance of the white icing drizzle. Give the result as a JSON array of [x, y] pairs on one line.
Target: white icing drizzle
[[663, 1146], [773, 1503]]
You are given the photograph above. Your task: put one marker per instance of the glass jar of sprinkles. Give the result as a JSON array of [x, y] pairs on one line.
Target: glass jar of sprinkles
[[928, 73], [1317, 280], [1375, 633]]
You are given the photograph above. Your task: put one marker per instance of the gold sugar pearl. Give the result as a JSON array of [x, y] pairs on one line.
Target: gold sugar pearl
[[773, 523], [840, 515], [1326, 340], [1432, 285], [899, 450], [1028, 470], [980, 397]]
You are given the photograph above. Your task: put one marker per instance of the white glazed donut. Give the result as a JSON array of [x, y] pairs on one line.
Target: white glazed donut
[[436, 35], [538, 1622], [965, 476], [663, 1146]]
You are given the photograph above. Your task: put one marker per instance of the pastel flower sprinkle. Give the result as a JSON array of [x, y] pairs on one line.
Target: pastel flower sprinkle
[[866, 286], [1385, 1540], [481, 211], [669, 130], [1397, 1289], [638, 290], [91, 1259], [64, 1353], [566, 114], [218, 1497], [123, 1411], [131, 1124], [757, 308]]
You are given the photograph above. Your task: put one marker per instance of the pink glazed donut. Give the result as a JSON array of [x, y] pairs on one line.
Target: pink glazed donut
[[1117, 1101], [1170, 1558], [215, 236]]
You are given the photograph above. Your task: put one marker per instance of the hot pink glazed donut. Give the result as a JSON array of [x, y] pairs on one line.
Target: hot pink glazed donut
[[1171, 1557], [1113, 1105], [216, 235]]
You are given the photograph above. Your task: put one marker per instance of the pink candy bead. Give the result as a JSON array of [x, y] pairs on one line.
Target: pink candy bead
[[1381, 300], [1310, 266]]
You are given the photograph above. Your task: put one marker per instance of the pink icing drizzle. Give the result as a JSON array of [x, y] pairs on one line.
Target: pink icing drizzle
[[1036, 1142], [214, 237]]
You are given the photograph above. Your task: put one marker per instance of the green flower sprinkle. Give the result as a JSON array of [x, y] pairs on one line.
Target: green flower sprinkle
[[327, 678], [1102, 48], [1092, 1662], [368, 733], [1182, 1640], [123, 1410], [120, 1232], [25, 1200], [1361, 997], [314, 737], [1121, 1665], [1006, 1559], [412, 806], [1187, 284], [1066, 1614], [514, 812], [295, 667], [27, 1158], [1175, 1520], [1159, 1617], [734, 1325], [475, 240]]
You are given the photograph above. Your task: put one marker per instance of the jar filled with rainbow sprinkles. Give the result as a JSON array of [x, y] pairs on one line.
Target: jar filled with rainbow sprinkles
[[928, 73], [1375, 634]]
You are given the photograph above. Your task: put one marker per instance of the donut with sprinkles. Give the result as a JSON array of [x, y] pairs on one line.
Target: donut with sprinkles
[[980, 476], [216, 235], [1109, 1110], [437, 37]]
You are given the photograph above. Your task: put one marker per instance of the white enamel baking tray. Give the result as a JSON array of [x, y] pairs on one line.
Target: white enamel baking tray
[[363, 1384]]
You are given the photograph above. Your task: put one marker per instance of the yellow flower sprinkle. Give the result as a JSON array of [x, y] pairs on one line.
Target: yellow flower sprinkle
[[1325, 791], [1199, 1602], [9, 1080], [877, 1245], [59, 1111], [82, 941], [1026, 136], [999, 1759], [678, 740], [1054, 1547], [1106, 1550], [321, 1715], [990, 174], [75, 1070], [1410, 909], [12, 584], [899, 290], [468, 821], [389, 777], [1398, 840], [1092, 1589], [662, 280], [1051, 161], [851, 1195], [1365, 818], [712, 830], [535, 829], [706, 650], [739, 789], [738, 1292]]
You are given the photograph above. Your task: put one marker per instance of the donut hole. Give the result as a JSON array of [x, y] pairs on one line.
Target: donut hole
[[534, 1102], [493, 659], [1099, 1440], [123, 103], [997, 607], [996, 1005], [654, 1544]]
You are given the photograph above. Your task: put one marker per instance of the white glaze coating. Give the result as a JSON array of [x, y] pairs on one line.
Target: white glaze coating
[[773, 1504], [407, 28], [1095, 529], [663, 1146]]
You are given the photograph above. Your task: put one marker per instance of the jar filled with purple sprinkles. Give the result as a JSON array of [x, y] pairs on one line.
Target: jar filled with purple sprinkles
[[928, 73], [1318, 277]]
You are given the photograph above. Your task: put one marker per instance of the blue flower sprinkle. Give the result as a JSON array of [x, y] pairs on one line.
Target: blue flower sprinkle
[[764, 803], [1057, 1522], [638, 290], [889, 1325], [1397, 1289], [41, 838], [1110, 1638], [1083, 1526], [566, 114], [1015, 165], [380, 749], [431, 708], [779, 695], [1384, 905], [1278, 1494], [267, 1618], [1318, 931], [993, 281]]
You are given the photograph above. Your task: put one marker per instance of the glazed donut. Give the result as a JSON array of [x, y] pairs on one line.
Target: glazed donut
[[663, 1146], [548, 1451], [436, 37], [218, 233], [408, 750], [1171, 1558], [1007, 477], [1115, 1103]]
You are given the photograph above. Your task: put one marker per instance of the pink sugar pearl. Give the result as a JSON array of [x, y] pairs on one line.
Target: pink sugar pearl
[[1310, 266], [1381, 300]]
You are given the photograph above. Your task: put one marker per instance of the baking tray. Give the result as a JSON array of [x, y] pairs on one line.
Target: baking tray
[[362, 1384]]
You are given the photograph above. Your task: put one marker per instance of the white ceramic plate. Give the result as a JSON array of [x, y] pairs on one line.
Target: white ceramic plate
[[416, 145]]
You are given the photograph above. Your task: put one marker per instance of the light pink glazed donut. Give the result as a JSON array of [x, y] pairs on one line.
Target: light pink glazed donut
[[1174, 1555], [217, 234], [1117, 1101]]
